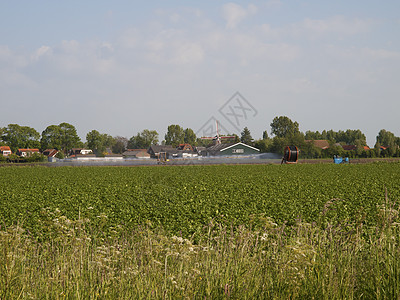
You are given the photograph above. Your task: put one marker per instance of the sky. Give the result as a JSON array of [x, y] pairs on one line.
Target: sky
[[123, 66]]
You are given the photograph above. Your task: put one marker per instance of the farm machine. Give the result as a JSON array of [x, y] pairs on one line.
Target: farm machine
[[290, 155]]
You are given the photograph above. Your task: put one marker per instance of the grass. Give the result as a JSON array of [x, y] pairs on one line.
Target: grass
[[327, 259]]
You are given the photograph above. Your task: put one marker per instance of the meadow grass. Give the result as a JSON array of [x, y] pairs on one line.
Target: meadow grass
[[326, 259]]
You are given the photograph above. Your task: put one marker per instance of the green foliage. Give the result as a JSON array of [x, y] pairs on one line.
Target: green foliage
[[190, 137], [120, 144], [36, 157], [283, 127], [17, 136], [183, 199], [52, 138], [271, 232], [60, 155], [175, 135], [143, 140], [348, 137], [69, 137], [99, 142], [245, 137]]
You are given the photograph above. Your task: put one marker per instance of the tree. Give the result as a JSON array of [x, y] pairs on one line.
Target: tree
[[190, 137], [175, 135], [69, 137], [95, 141], [17, 136], [51, 138], [99, 142], [263, 144], [284, 127], [245, 136], [120, 144], [143, 140], [265, 135]]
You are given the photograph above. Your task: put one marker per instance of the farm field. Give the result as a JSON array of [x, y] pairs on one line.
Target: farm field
[[243, 231], [183, 199]]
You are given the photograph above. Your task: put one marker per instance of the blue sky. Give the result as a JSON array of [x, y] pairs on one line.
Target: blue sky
[[125, 66]]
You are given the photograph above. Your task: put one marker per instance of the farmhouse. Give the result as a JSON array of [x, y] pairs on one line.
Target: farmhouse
[[231, 149], [5, 150], [50, 152], [27, 152]]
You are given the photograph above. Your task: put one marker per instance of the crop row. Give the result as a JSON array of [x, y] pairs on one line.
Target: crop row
[[183, 199]]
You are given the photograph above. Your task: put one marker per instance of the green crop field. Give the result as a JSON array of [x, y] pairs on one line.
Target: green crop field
[[183, 199], [306, 231]]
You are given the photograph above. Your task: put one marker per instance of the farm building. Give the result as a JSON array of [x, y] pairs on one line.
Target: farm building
[[155, 150], [50, 152], [322, 144], [27, 152], [136, 153], [229, 149], [80, 151], [5, 150]]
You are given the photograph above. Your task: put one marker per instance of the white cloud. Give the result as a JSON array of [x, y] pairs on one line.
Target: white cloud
[[42, 51], [337, 25], [234, 13]]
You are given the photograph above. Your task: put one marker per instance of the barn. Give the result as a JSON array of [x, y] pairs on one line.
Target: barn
[[230, 149]]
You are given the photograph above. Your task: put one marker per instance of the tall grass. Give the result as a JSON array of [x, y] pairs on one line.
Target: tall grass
[[328, 259]]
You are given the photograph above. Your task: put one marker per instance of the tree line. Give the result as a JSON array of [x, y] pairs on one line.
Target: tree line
[[284, 132]]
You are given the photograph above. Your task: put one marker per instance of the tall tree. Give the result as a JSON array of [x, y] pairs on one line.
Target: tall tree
[[95, 141], [99, 142], [143, 140], [51, 138], [284, 127], [245, 136], [190, 137], [120, 144], [17, 136], [69, 137], [175, 135], [265, 135]]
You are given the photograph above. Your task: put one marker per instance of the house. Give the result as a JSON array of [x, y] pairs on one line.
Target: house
[[81, 151], [229, 149], [322, 144], [185, 147], [5, 150], [136, 153], [50, 152], [155, 151], [27, 152]]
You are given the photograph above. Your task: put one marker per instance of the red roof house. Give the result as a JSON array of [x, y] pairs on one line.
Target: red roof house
[[5, 150], [27, 152]]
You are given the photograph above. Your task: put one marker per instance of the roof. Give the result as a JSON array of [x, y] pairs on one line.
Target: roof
[[50, 152], [322, 144], [366, 148], [161, 148], [349, 147], [5, 148], [223, 147], [134, 152], [28, 150], [219, 147], [235, 144]]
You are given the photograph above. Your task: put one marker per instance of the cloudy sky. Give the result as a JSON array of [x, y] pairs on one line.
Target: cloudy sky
[[123, 66]]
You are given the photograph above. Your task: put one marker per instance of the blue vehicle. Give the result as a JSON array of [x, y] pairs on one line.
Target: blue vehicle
[[340, 160]]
